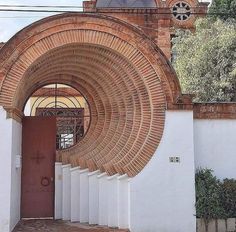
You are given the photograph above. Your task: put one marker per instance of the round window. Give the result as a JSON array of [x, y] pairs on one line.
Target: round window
[[181, 11]]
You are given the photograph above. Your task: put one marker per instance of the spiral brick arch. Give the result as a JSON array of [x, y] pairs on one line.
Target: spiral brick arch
[[125, 78]]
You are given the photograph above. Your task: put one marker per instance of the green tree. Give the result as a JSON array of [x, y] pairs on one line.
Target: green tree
[[223, 9], [208, 196], [206, 60]]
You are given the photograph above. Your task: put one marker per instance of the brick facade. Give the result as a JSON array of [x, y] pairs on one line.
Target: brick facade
[[117, 63], [159, 24]]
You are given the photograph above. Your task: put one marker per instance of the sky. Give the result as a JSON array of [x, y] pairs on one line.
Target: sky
[[12, 22]]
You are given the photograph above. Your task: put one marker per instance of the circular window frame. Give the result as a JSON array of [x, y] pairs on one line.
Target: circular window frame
[[186, 13]]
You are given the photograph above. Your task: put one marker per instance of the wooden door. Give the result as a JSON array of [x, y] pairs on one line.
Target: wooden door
[[38, 162]]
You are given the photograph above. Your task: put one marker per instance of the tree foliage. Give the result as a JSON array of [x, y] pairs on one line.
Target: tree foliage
[[206, 60], [215, 199], [223, 9], [228, 197], [208, 196]]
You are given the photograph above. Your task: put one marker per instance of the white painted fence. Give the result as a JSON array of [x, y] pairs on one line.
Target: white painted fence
[[91, 197]]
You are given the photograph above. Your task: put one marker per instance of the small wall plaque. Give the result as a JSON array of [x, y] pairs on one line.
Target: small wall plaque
[[18, 161], [174, 159]]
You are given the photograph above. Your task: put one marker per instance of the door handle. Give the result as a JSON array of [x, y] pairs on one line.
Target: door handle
[[45, 181]]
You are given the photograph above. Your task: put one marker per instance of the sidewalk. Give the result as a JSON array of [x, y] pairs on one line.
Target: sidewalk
[[59, 226]]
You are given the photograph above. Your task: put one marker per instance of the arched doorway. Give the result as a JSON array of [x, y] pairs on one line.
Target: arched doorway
[[125, 78]]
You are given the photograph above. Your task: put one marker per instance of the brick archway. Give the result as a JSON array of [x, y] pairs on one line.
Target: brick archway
[[125, 78]]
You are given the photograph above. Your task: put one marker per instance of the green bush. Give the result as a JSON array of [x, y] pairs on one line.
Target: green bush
[[228, 197], [215, 199], [208, 196]]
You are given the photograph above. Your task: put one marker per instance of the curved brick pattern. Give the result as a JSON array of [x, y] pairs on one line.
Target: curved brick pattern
[[125, 78]]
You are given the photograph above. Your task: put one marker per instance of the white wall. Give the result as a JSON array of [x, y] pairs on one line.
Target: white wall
[[5, 170], [93, 197], [215, 146], [10, 147], [162, 195], [103, 199], [75, 194], [112, 220], [84, 196], [15, 174], [123, 202], [58, 191], [66, 192]]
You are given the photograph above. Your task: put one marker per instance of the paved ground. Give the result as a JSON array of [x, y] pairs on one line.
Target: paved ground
[[59, 226]]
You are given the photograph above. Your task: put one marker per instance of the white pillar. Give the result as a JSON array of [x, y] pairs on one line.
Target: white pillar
[[113, 201], [123, 202], [58, 191], [84, 196], [75, 194], [93, 197], [103, 199], [162, 195], [10, 172], [16, 173], [66, 192]]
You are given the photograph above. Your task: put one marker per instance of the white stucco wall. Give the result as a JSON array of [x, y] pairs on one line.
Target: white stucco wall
[[10, 148], [215, 146], [112, 220], [84, 196], [103, 199], [93, 197], [5, 171], [75, 194], [123, 202], [66, 192], [15, 174], [162, 195], [58, 191]]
